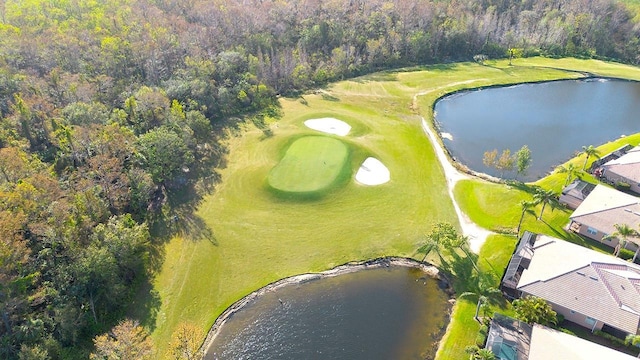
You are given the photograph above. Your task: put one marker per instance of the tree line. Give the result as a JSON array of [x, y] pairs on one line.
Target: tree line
[[113, 116]]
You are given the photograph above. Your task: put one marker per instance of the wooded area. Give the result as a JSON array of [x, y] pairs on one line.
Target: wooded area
[[112, 112]]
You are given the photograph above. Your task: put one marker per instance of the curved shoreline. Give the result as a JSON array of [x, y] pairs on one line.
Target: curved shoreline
[[349, 267], [463, 168]]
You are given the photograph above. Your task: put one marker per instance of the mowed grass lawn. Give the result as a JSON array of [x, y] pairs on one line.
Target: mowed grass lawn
[[259, 238], [310, 165]]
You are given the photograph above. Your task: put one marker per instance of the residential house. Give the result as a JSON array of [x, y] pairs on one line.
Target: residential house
[[574, 194], [589, 288], [510, 339], [596, 217], [625, 169]]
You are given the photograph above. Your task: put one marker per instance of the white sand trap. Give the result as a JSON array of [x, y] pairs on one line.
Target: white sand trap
[[329, 126], [372, 172]]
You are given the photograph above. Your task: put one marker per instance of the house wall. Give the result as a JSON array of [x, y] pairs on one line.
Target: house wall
[[584, 231], [615, 178], [575, 317], [578, 318], [570, 201]]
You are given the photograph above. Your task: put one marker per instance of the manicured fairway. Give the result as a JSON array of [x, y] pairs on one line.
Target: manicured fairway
[[258, 238], [311, 164]]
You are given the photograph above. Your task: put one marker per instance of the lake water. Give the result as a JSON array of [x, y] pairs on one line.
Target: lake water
[[554, 119], [382, 313]]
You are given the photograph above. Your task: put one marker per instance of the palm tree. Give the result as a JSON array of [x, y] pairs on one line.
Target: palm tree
[[442, 238], [485, 291], [431, 244], [622, 233], [526, 207], [485, 354], [633, 340], [545, 197], [438, 239], [571, 170], [589, 151]]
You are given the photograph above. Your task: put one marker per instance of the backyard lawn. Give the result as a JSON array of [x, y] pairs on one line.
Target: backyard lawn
[[257, 237]]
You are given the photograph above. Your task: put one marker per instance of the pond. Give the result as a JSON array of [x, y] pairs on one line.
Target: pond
[[382, 313], [554, 119]]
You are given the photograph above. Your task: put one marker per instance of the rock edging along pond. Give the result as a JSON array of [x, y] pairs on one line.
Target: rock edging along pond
[[353, 267]]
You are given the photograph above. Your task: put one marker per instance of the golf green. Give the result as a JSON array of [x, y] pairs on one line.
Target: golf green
[[310, 165]]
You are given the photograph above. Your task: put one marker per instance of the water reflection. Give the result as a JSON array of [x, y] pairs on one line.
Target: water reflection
[[553, 119], [384, 313]]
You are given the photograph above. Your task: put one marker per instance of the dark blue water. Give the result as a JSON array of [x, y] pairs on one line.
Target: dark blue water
[[385, 313], [553, 119]]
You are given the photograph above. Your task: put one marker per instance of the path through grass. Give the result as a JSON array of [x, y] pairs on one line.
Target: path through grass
[[259, 238]]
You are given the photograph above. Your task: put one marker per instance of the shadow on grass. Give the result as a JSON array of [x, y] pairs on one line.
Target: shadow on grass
[[467, 279], [528, 188], [145, 305], [378, 77]]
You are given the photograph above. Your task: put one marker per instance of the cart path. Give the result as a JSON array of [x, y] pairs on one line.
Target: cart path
[[477, 235]]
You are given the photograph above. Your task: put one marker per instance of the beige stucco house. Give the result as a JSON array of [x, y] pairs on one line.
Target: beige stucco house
[[625, 169], [598, 214], [589, 288]]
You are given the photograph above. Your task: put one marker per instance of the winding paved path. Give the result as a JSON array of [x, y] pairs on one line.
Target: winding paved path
[[477, 235]]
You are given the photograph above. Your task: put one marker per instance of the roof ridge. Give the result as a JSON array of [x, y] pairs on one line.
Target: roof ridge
[[636, 202], [561, 274], [607, 286]]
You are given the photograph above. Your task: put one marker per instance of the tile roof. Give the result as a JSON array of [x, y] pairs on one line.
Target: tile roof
[[627, 165], [605, 207], [597, 285], [604, 198]]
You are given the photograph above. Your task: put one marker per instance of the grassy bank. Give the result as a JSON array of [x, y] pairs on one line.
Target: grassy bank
[[259, 238]]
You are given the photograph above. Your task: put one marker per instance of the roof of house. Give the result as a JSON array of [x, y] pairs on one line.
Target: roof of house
[[578, 189], [597, 285], [510, 339], [548, 343], [605, 207], [627, 166]]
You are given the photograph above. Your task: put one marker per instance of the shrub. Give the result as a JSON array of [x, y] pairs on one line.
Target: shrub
[[481, 338], [610, 337], [622, 186], [626, 254]]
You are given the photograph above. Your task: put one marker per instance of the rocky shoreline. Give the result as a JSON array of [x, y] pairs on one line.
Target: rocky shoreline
[[350, 267]]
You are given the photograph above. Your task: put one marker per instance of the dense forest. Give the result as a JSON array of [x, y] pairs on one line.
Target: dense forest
[[113, 115]]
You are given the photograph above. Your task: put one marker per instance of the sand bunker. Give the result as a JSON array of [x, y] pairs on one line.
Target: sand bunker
[[329, 126], [372, 172]]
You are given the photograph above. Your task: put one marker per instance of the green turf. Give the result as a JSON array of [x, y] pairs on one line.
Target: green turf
[[311, 165], [463, 328], [258, 238]]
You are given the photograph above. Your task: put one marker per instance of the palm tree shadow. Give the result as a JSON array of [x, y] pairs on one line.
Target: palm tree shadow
[[519, 185], [462, 268]]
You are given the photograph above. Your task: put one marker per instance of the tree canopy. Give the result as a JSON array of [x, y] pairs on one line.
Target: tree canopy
[[113, 116]]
